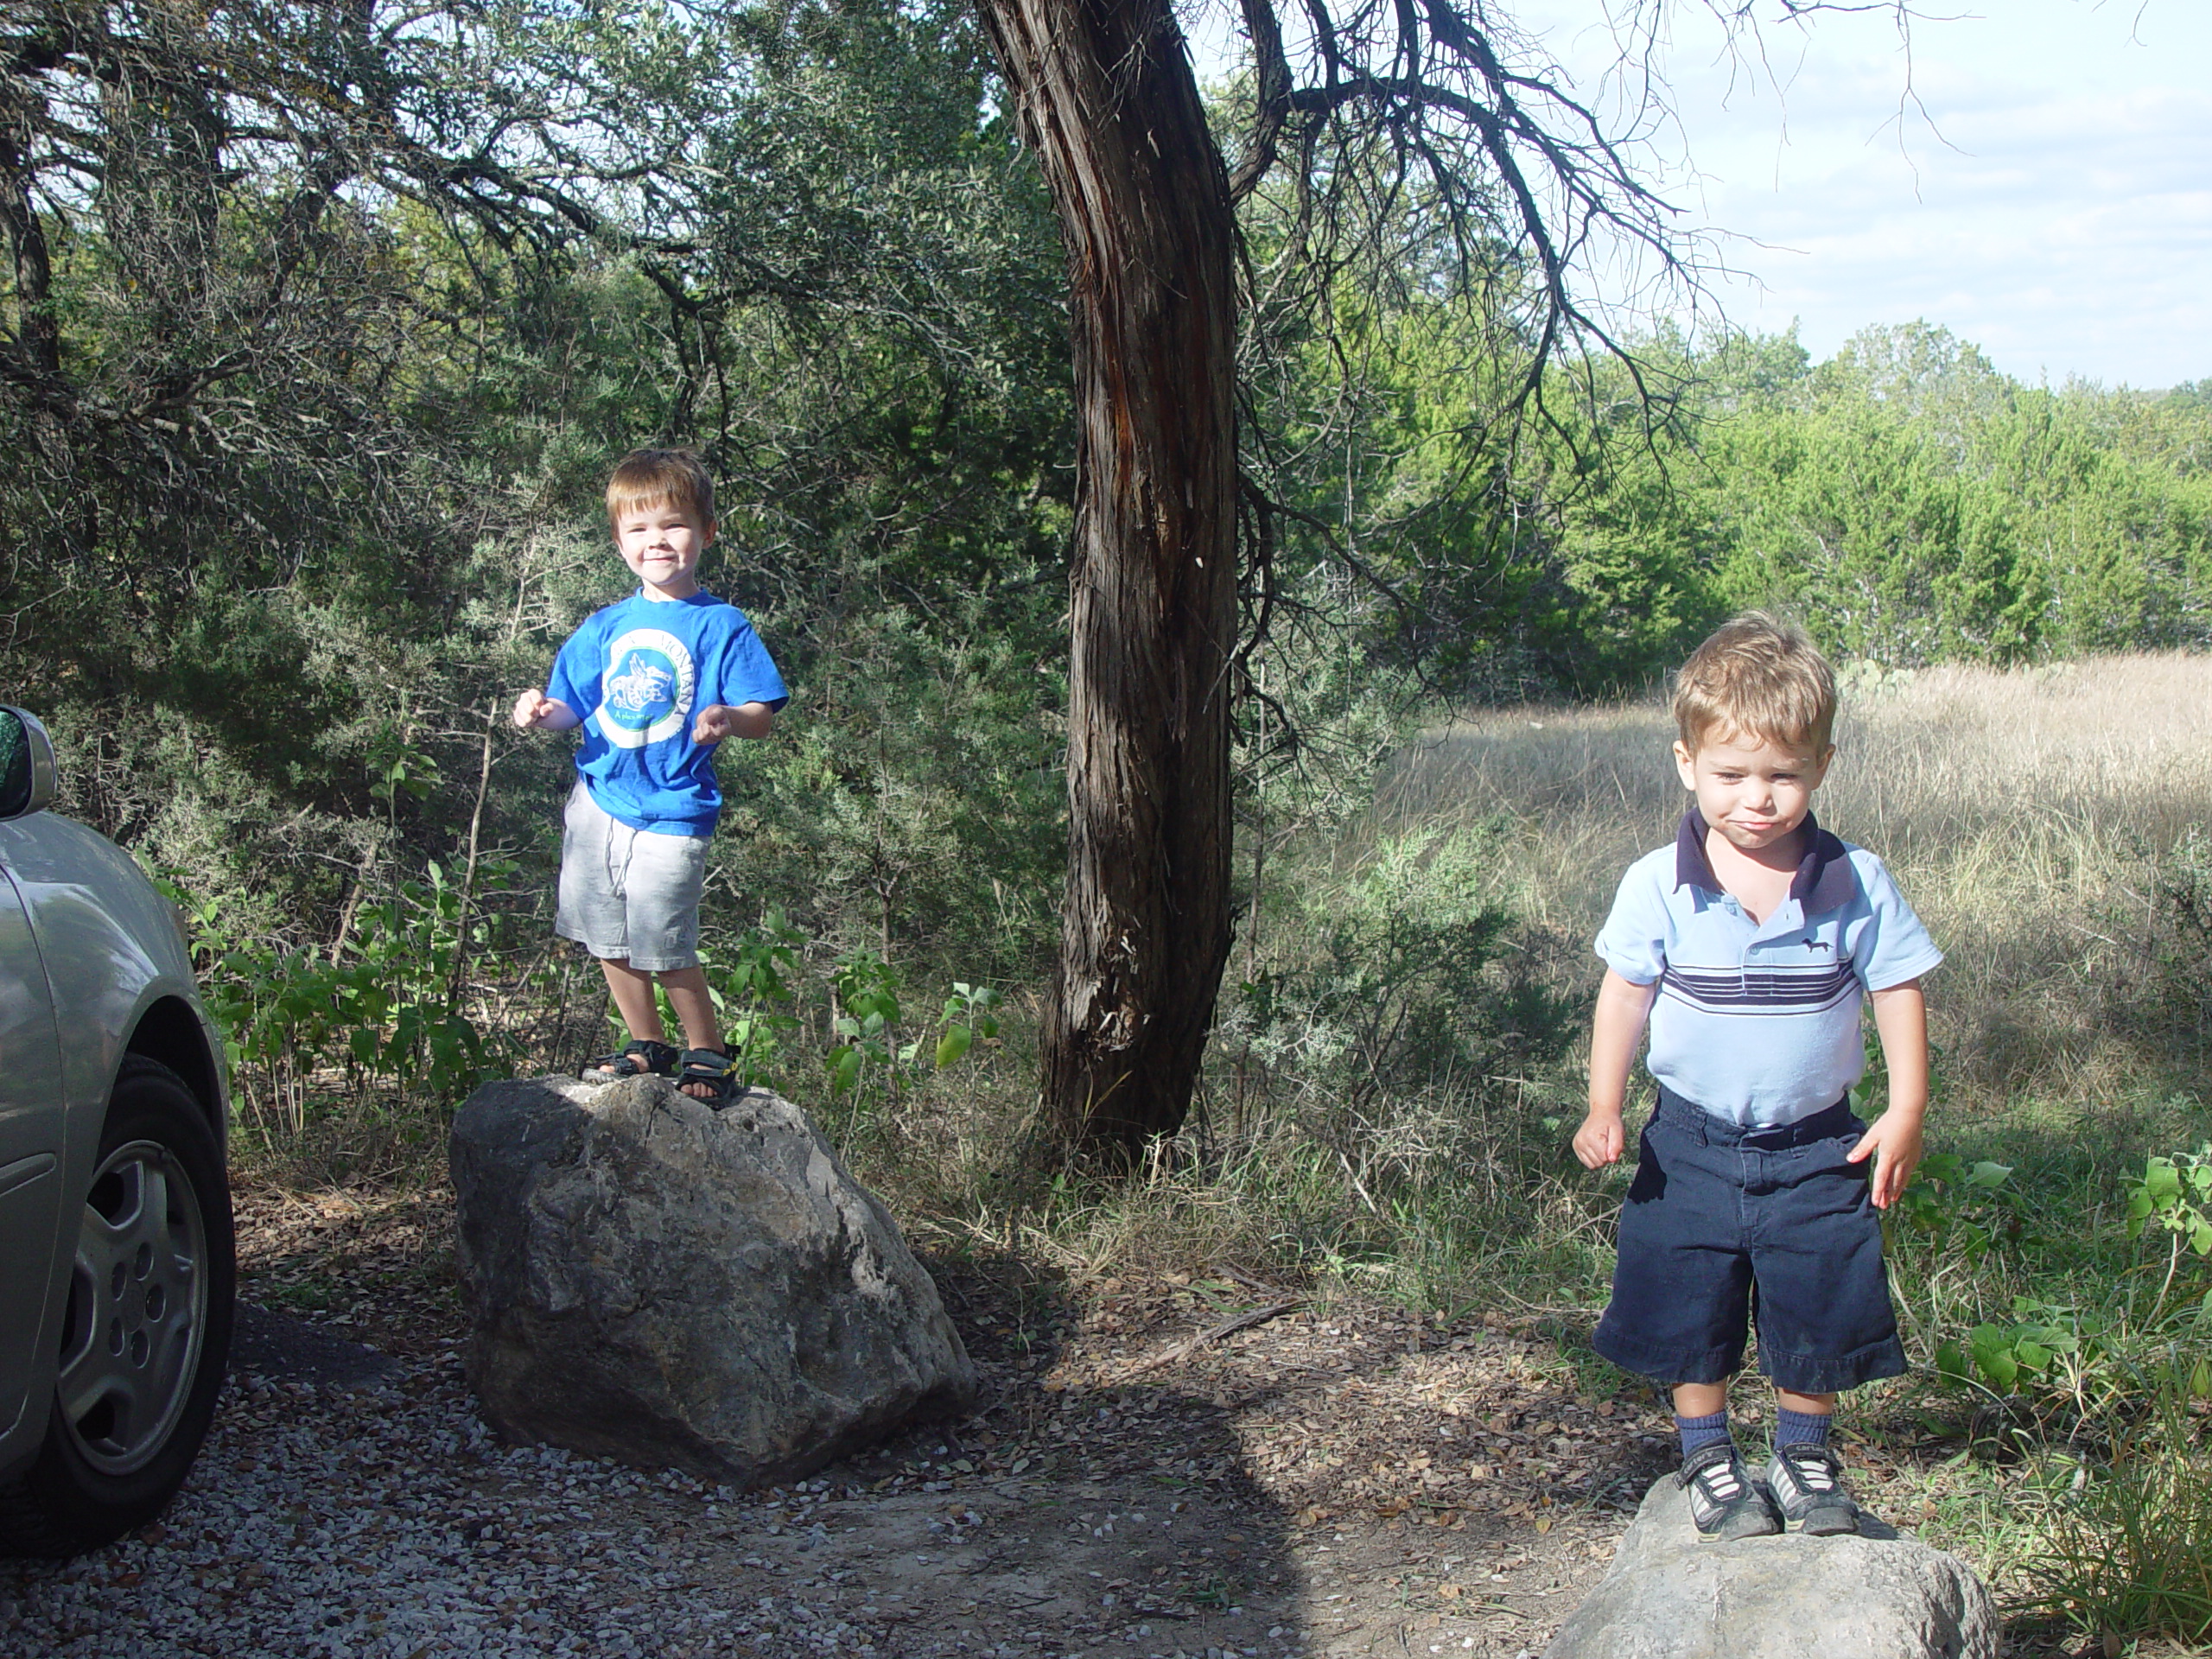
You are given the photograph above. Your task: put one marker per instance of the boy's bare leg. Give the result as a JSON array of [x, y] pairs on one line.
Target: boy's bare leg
[[693, 1005], [1810, 1405], [632, 992], [1699, 1399], [1703, 1399]]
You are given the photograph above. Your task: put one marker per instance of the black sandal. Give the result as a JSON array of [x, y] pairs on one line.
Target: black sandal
[[643, 1059], [712, 1067]]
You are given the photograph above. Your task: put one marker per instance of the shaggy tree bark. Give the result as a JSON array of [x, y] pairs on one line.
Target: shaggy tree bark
[[1107, 100]]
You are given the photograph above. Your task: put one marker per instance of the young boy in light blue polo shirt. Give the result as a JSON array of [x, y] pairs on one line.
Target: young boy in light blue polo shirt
[[657, 681], [1749, 946]]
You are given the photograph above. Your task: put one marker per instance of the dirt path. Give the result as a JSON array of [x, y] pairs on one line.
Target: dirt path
[[1161, 1468], [1144, 1478]]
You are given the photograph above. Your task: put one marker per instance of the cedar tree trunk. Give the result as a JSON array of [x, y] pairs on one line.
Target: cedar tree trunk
[[1106, 98]]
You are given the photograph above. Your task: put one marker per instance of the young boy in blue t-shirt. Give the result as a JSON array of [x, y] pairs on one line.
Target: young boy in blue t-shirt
[[656, 681], [1749, 945]]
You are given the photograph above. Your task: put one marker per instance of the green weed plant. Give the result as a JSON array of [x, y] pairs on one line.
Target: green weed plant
[[2124, 1548], [382, 1011], [874, 1048], [752, 989], [2095, 1357], [2093, 1378]]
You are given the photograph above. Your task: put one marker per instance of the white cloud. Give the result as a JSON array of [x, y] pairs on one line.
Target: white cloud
[[2047, 195]]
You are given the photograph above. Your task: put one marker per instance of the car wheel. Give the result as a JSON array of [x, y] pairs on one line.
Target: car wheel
[[146, 1330]]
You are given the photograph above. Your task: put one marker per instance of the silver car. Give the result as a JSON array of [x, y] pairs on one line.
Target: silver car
[[115, 1263]]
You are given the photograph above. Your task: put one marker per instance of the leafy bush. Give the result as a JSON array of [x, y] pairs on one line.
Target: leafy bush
[[753, 996], [1960, 1206], [2180, 944], [1396, 977], [2089, 1365], [383, 1009], [869, 1029]]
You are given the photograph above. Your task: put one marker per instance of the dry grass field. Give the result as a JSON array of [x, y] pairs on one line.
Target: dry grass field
[[2033, 817]]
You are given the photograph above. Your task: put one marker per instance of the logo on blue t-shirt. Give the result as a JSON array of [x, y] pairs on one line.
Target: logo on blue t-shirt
[[647, 688], [639, 691]]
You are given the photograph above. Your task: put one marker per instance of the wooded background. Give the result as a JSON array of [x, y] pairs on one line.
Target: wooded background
[[324, 324]]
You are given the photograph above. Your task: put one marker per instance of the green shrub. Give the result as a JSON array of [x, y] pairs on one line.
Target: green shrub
[[2125, 1548], [1396, 976], [750, 983], [2090, 1362], [2179, 978], [386, 1008]]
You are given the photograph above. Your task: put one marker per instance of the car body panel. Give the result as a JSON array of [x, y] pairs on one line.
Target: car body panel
[[32, 1099], [109, 950]]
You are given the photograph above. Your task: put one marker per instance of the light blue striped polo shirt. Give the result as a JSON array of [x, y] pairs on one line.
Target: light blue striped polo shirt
[[1758, 1021]]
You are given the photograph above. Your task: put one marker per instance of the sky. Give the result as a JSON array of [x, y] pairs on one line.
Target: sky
[[2034, 176]]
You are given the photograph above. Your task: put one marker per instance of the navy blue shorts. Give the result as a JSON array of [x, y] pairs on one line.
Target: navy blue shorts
[[1723, 1222]]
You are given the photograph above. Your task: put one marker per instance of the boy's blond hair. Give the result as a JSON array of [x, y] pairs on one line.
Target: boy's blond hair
[[654, 478], [1757, 676]]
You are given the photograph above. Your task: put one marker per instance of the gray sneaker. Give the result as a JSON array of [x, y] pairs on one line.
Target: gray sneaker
[[1805, 1481], [1725, 1502]]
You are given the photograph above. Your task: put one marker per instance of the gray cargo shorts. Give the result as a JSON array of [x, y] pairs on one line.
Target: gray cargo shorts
[[629, 893]]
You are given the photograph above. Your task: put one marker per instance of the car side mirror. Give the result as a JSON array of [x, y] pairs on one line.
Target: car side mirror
[[28, 779]]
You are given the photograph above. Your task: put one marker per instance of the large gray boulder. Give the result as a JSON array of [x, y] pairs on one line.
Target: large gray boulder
[[1876, 1596], [652, 1281]]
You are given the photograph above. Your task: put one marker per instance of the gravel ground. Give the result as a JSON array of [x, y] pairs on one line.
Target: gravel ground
[[388, 1521], [1159, 1470], [385, 1520]]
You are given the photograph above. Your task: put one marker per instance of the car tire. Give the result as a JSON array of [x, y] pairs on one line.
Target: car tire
[[146, 1329]]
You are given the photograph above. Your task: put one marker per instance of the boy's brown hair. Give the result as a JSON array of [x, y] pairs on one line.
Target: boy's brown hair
[[1759, 678], [652, 478]]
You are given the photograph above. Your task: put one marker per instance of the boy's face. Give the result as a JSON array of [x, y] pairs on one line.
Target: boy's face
[[661, 542], [1753, 790]]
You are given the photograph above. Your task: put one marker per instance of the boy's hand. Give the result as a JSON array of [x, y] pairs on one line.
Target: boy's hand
[[534, 709], [718, 721], [1894, 1143], [1616, 1029], [1599, 1141]]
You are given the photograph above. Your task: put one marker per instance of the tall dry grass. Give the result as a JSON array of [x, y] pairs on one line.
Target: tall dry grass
[[2026, 815]]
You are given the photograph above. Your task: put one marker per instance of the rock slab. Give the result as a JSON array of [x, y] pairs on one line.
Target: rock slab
[[652, 1281], [1876, 1596]]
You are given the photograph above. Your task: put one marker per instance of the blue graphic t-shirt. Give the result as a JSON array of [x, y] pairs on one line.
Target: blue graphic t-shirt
[[638, 673]]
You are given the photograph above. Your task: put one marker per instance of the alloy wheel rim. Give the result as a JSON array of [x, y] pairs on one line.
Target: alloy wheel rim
[[137, 1309]]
